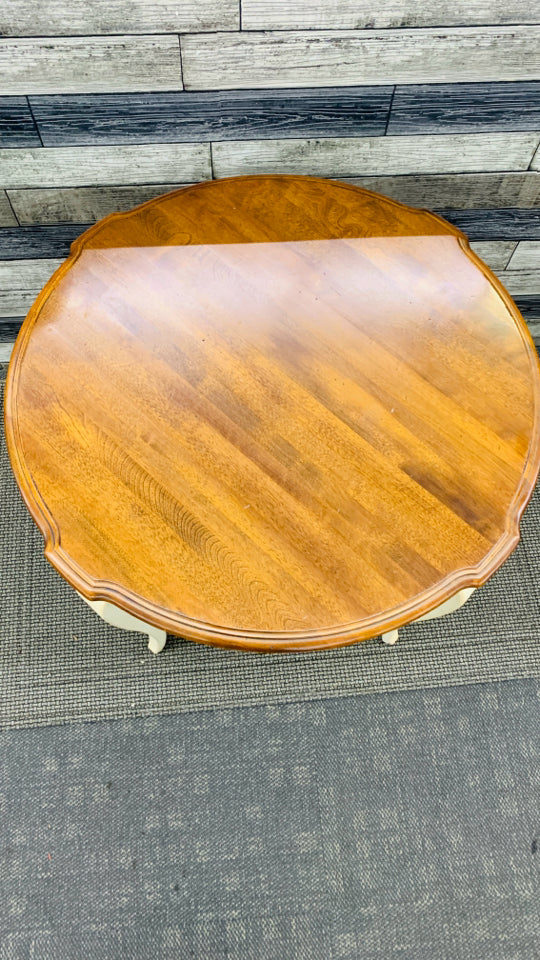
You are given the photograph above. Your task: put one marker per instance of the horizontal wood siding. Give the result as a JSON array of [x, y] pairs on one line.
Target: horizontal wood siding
[[104, 105], [465, 107], [90, 64], [353, 14], [7, 216], [70, 166], [372, 156], [304, 59], [526, 256], [48, 18], [17, 127], [217, 115], [20, 283], [80, 204], [477, 190]]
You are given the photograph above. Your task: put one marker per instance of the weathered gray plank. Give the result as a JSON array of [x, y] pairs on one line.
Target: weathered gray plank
[[459, 191], [530, 308], [21, 18], [526, 256], [465, 107], [496, 253], [39, 243], [17, 127], [352, 157], [215, 115], [308, 59], [90, 64], [9, 328], [91, 166], [20, 283], [521, 282], [535, 163], [80, 204], [507, 224], [354, 14], [7, 217]]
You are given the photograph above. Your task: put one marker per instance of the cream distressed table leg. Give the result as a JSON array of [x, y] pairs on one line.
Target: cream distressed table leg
[[454, 603], [126, 621]]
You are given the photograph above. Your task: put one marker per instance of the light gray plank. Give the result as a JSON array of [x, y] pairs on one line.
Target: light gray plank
[[90, 64], [352, 157], [20, 283], [461, 191], [34, 18], [526, 257], [7, 217], [521, 282], [5, 352], [496, 253], [309, 59], [80, 204], [354, 14], [92, 166], [535, 164]]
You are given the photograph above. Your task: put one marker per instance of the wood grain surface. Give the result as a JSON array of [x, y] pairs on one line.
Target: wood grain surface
[[213, 115], [268, 413], [508, 223], [465, 107], [362, 156], [17, 127], [141, 163], [32, 18], [355, 14], [526, 256], [90, 64], [20, 283], [224, 61], [459, 191]]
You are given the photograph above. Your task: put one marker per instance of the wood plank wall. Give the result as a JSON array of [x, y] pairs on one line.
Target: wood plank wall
[[104, 105]]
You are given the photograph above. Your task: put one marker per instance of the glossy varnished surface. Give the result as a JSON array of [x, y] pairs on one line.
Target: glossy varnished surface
[[274, 413]]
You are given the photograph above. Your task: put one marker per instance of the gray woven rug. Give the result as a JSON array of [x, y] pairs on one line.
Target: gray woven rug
[[60, 663]]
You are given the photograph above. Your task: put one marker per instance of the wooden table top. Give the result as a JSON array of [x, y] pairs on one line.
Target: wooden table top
[[274, 413]]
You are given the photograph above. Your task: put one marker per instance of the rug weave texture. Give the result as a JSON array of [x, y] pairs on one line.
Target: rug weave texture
[[60, 663]]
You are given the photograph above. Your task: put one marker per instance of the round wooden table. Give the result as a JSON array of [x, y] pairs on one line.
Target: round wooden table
[[274, 413]]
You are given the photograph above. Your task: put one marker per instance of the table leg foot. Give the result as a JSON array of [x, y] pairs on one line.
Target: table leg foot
[[156, 641], [391, 637]]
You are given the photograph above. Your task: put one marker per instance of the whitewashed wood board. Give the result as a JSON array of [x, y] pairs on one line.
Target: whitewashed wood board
[[341, 58], [521, 282], [365, 156], [358, 14], [459, 191], [496, 253], [92, 166], [80, 204], [20, 283], [48, 18], [90, 64], [7, 217], [535, 165], [526, 257]]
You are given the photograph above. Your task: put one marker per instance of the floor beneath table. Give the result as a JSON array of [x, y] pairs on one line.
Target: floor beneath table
[[379, 826]]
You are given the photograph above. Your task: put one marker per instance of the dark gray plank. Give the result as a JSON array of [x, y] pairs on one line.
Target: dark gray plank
[[529, 307], [38, 243], [508, 224], [17, 128], [230, 115], [465, 107], [9, 328]]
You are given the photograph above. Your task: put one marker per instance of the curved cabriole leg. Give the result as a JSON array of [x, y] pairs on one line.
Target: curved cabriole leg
[[126, 621], [454, 603], [390, 638]]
